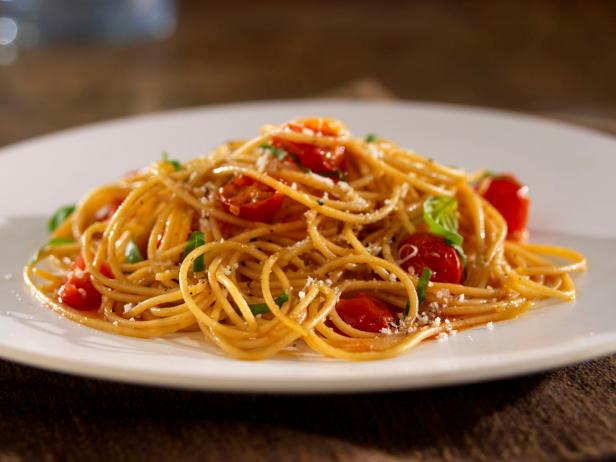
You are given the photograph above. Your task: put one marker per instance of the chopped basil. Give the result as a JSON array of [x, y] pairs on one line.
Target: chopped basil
[[439, 213], [61, 241], [371, 138], [132, 254], [262, 308], [176, 164], [278, 153], [60, 217], [196, 239], [335, 174], [422, 284]]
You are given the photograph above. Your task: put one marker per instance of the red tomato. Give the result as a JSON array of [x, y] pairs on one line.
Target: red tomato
[[107, 211], [510, 198], [78, 291], [365, 313], [318, 126], [426, 250], [250, 199], [319, 160], [105, 270]]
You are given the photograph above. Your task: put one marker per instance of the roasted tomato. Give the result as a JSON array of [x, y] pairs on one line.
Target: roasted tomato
[[318, 159], [366, 313], [426, 250], [250, 199], [510, 198], [318, 126], [78, 291]]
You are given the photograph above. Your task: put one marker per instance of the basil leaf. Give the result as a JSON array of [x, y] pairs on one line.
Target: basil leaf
[[132, 254], [196, 239], [278, 153], [176, 164], [422, 284], [60, 241], [439, 213], [262, 308], [60, 217], [335, 174], [407, 308], [371, 138]]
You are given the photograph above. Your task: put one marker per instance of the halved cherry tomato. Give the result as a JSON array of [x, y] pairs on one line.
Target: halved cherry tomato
[[107, 211], [510, 198], [318, 159], [250, 199], [366, 313], [78, 291], [318, 126], [426, 250]]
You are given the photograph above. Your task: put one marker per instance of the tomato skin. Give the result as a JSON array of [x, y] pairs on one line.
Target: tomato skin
[[105, 270], [78, 291], [510, 198], [319, 160], [250, 199], [318, 126], [366, 313], [431, 251]]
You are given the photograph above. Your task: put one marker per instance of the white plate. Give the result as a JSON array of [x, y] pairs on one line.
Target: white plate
[[569, 171]]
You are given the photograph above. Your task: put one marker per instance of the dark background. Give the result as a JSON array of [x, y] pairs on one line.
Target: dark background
[[551, 57], [541, 56]]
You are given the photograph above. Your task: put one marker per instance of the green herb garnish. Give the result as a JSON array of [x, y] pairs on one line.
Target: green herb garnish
[[196, 239], [61, 241], [262, 308], [335, 174], [371, 138], [132, 254], [422, 284], [278, 153], [176, 164], [439, 213], [60, 217]]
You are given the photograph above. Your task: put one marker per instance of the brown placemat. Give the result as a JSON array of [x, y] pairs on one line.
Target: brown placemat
[[569, 414]]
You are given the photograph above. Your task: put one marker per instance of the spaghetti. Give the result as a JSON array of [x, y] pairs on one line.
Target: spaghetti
[[301, 237]]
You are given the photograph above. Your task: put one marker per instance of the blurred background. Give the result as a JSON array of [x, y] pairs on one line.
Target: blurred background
[[69, 62]]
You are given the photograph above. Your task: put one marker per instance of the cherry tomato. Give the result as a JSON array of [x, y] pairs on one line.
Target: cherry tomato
[[319, 160], [318, 126], [426, 250], [510, 198], [78, 291], [366, 313], [250, 199]]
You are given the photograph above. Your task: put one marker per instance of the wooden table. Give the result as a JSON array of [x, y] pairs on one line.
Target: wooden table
[[544, 57]]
